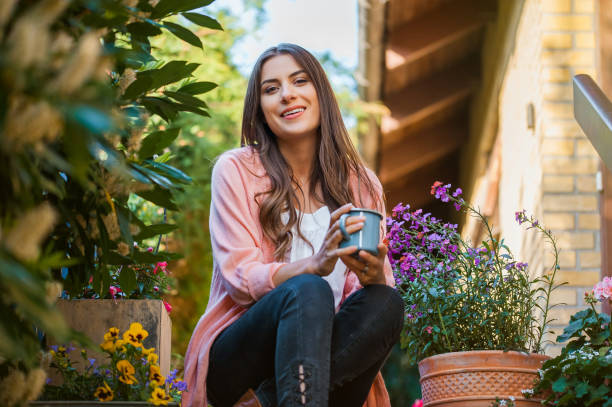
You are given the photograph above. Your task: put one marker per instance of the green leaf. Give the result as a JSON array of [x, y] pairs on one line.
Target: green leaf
[[149, 257], [165, 7], [139, 87], [202, 20], [123, 217], [183, 33], [160, 197], [160, 106], [157, 179], [114, 258], [154, 230], [169, 73], [127, 280], [155, 142], [187, 99], [559, 385], [197, 88], [170, 171], [143, 29], [94, 120], [187, 108], [581, 389]]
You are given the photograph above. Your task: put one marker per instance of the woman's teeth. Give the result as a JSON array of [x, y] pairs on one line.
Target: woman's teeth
[[294, 111]]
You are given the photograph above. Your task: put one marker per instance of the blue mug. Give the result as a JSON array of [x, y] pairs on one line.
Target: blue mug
[[368, 237]]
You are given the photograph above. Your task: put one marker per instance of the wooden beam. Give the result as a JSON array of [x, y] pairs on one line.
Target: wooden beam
[[446, 33], [421, 149], [411, 106], [370, 75]]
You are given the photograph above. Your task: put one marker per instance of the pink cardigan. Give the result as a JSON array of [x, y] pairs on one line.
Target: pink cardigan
[[244, 264]]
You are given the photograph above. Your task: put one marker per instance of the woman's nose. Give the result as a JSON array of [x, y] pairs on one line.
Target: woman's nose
[[287, 93]]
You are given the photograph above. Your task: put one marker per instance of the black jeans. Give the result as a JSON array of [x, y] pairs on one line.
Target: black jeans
[[293, 350]]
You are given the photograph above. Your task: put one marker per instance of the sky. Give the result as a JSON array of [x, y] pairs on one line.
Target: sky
[[317, 25]]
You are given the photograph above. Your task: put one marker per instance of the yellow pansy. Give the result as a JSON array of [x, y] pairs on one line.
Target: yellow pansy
[[159, 397], [146, 352], [135, 335], [126, 371], [108, 346], [112, 334], [155, 376], [152, 358], [104, 393]]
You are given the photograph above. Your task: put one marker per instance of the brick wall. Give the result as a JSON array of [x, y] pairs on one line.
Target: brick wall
[[550, 170]]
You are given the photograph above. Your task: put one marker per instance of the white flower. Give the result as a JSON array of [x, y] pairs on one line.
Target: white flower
[[24, 239]]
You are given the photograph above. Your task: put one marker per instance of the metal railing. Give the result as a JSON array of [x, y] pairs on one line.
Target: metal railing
[[593, 112]]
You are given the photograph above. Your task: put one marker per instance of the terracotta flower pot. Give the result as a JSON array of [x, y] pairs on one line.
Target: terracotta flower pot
[[476, 378]]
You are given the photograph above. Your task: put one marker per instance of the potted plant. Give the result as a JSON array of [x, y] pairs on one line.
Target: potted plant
[[582, 374], [471, 321], [129, 376]]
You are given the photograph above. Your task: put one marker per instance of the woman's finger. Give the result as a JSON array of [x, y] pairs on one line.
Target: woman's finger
[[382, 251], [345, 252], [335, 215], [337, 236], [369, 258], [352, 263]]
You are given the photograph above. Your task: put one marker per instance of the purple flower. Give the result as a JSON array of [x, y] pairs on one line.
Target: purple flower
[[91, 361], [457, 192], [520, 216]]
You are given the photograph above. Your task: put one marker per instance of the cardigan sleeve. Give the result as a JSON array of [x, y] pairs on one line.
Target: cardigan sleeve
[[236, 234]]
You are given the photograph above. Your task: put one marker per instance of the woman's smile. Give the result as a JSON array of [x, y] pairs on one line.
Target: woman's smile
[[293, 112]]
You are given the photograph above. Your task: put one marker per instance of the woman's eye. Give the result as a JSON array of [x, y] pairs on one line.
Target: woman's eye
[[300, 81], [270, 89]]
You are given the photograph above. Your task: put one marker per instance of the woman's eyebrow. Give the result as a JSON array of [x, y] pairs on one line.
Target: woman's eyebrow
[[276, 80]]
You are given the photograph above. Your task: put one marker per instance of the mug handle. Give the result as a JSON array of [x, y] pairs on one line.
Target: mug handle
[[345, 234]]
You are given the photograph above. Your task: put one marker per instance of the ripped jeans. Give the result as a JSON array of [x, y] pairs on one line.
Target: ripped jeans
[[293, 350]]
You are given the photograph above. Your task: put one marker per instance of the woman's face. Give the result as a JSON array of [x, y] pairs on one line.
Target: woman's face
[[288, 99]]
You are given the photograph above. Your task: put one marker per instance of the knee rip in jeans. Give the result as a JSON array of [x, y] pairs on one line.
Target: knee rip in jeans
[[303, 376]]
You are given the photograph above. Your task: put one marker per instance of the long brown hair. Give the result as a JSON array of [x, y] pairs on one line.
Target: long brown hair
[[337, 159]]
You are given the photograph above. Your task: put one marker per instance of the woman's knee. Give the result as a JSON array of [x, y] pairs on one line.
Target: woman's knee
[[393, 304], [311, 290]]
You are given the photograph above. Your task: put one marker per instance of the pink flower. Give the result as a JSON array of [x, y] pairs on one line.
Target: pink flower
[[113, 290], [603, 289], [155, 288], [418, 403], [168, 306], [428, 329], [161, 266]]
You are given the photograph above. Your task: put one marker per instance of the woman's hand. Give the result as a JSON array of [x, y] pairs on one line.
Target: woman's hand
[[369, 268], [324, 261]]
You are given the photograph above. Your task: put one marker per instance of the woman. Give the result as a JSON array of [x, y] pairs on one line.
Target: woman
[[288, 324]]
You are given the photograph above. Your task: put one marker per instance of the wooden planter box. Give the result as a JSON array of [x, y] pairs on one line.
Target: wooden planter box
[[95, 317], [93, 404]]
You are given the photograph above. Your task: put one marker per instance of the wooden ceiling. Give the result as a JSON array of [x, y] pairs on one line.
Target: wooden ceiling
[[432, 60]]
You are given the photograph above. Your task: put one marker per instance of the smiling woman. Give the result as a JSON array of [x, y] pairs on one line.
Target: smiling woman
[[288, 324]]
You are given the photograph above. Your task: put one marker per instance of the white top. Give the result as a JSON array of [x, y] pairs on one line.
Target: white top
[[314, 227]]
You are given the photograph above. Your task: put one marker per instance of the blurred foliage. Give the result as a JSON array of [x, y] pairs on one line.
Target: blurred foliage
[[200, 142], [86, 116], [401, 379]]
